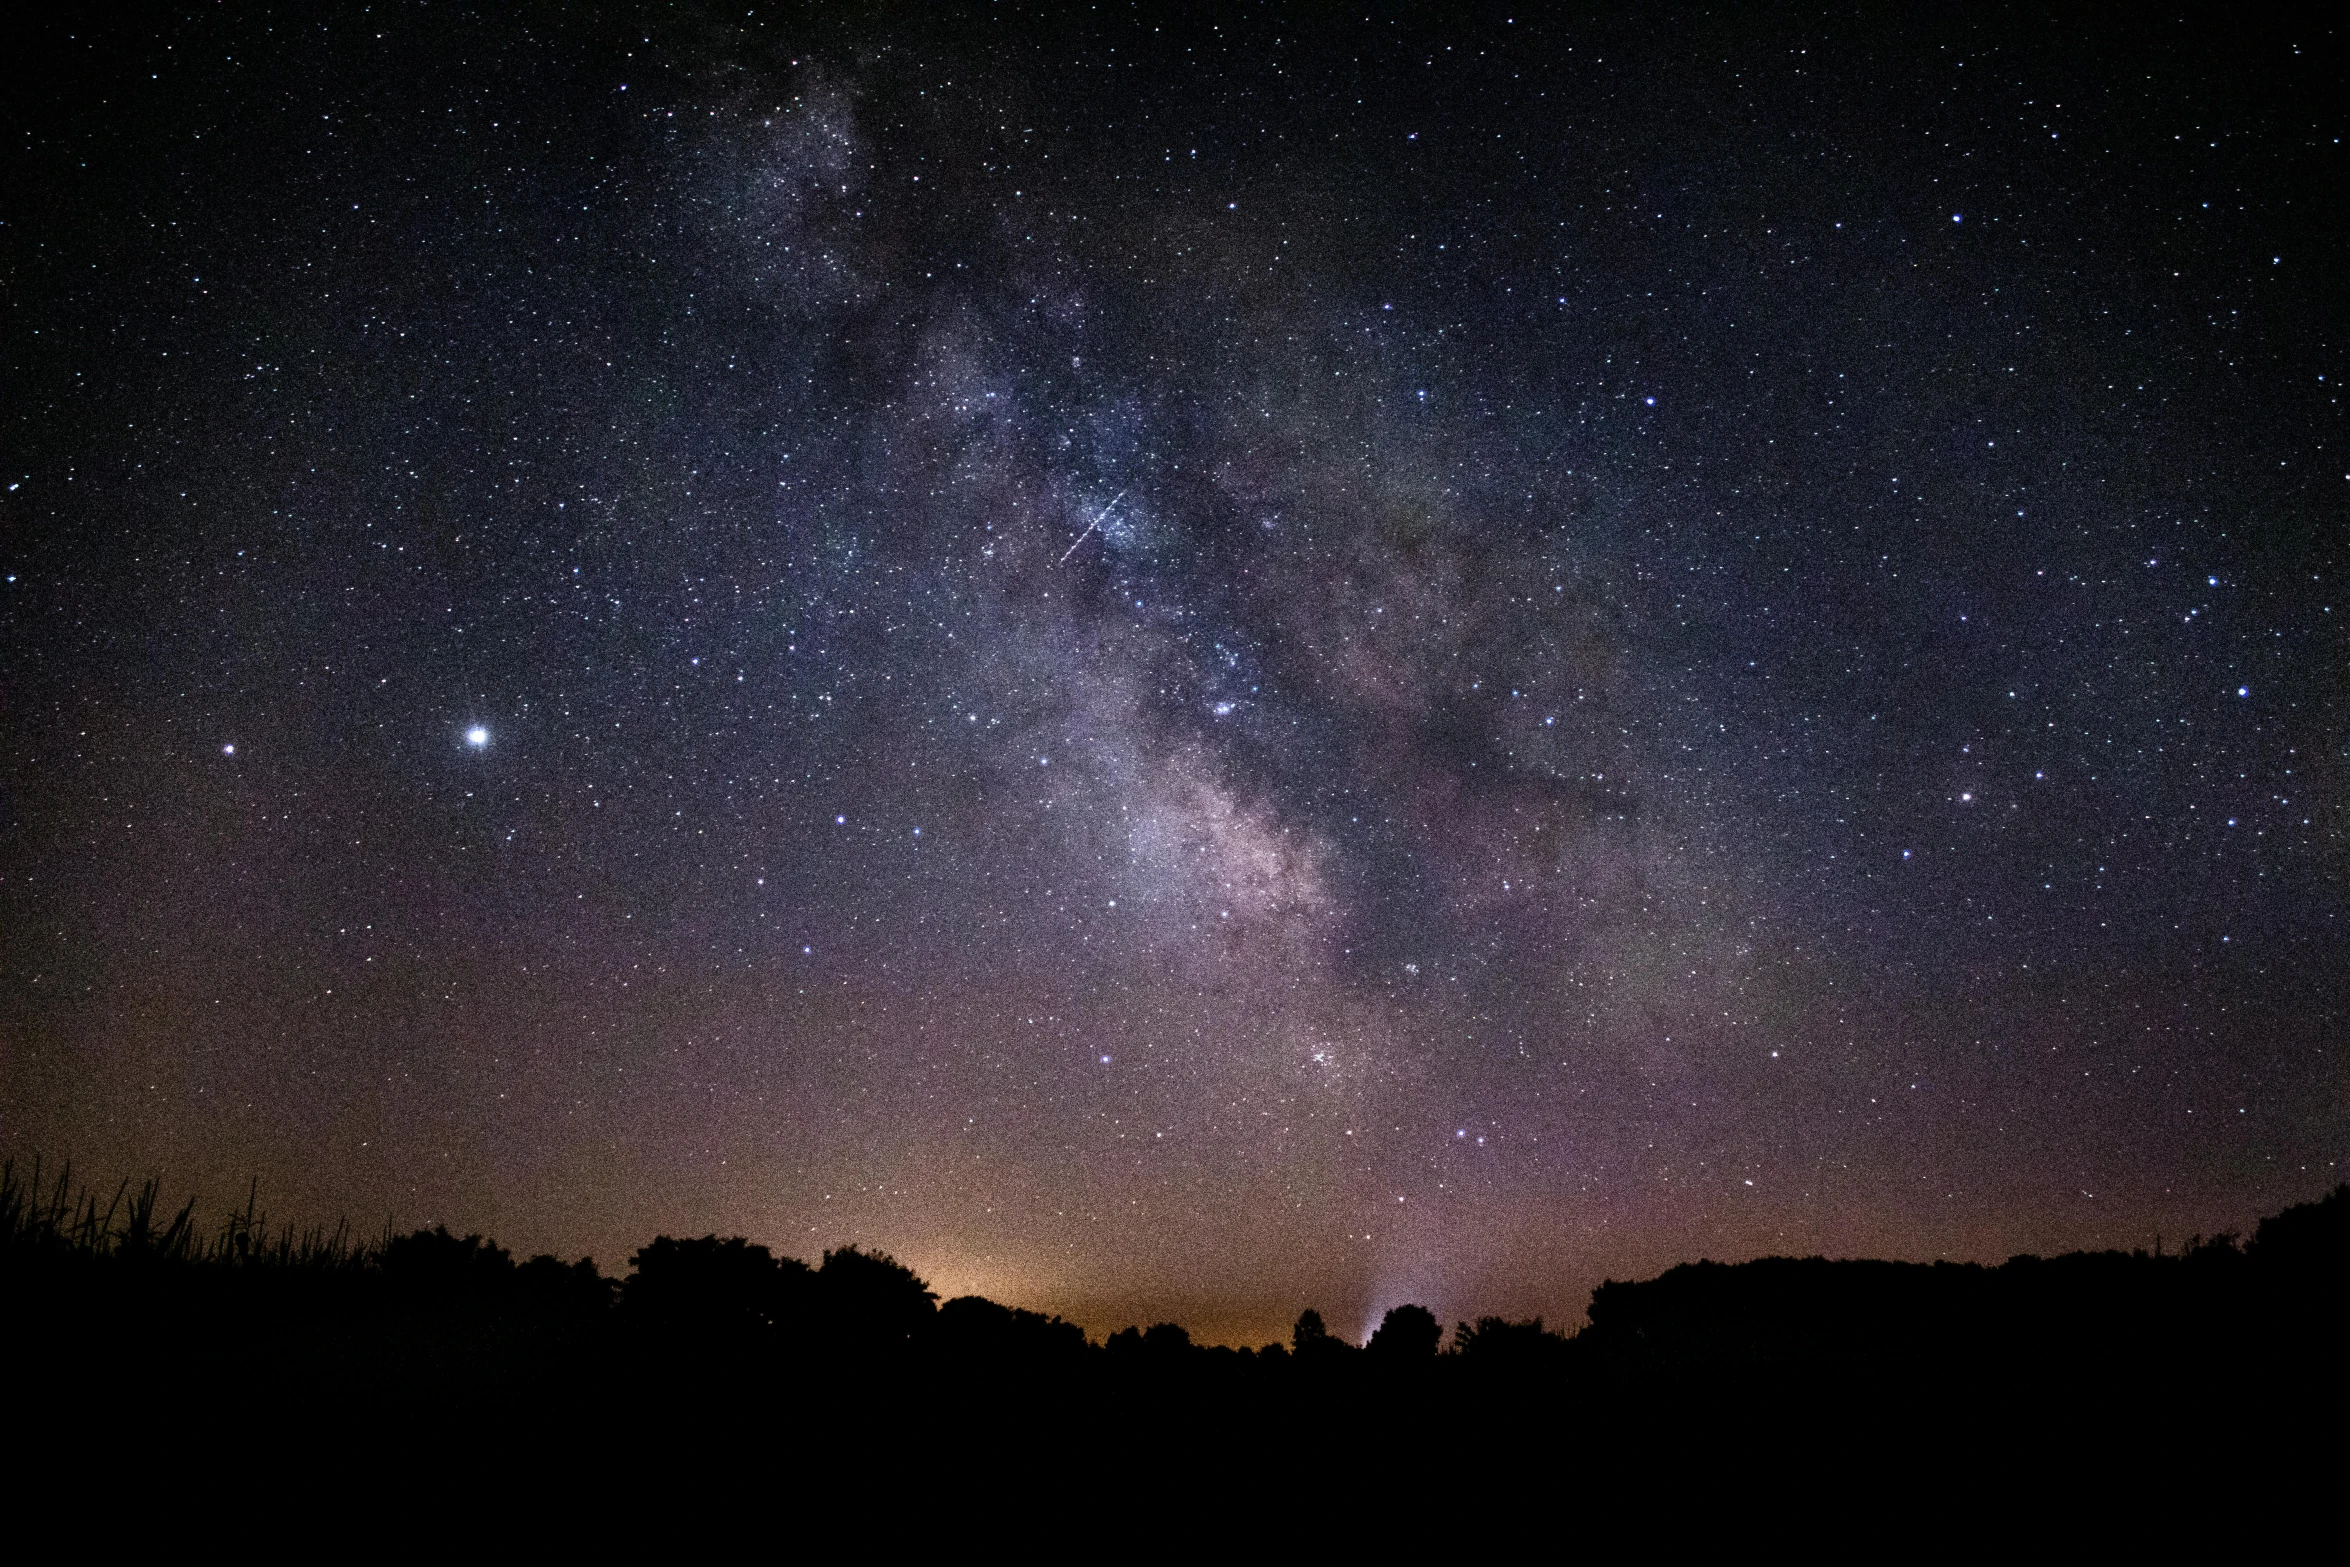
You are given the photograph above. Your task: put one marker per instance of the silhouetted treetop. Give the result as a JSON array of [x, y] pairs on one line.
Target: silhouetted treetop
[[576, 1286], [712, 1284], [1406, 1333], [1311, 1340], [2311, 1238], [974, 1328], [435, 1259], [1497, 1341], [873, 1296], [1167, 1339]]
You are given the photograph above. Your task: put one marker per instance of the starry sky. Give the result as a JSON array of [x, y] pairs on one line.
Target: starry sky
[[1181, 665]]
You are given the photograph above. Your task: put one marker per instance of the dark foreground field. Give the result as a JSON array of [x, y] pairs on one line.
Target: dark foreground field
[[133, 1333]]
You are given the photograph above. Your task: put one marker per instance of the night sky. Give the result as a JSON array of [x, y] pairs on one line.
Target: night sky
[[1180, 670]]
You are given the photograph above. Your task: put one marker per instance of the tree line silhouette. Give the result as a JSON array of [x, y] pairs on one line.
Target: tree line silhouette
[[288, 1314]]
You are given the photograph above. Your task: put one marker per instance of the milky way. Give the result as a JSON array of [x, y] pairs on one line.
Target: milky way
[[1178, 670]]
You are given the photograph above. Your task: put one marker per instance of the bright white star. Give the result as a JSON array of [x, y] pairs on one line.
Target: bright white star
[[477, 736]]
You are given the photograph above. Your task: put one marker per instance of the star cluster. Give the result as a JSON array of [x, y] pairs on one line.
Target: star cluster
[[1181, 667]]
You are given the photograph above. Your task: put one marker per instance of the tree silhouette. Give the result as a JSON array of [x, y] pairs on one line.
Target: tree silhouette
[[975, 1331], [574, 1287], [1167, 1341], [871, 1303], [730, 1288], [434, 1261], [1314, 1343], [2310, 1240], [1406, 1334], [1499, 1342]]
